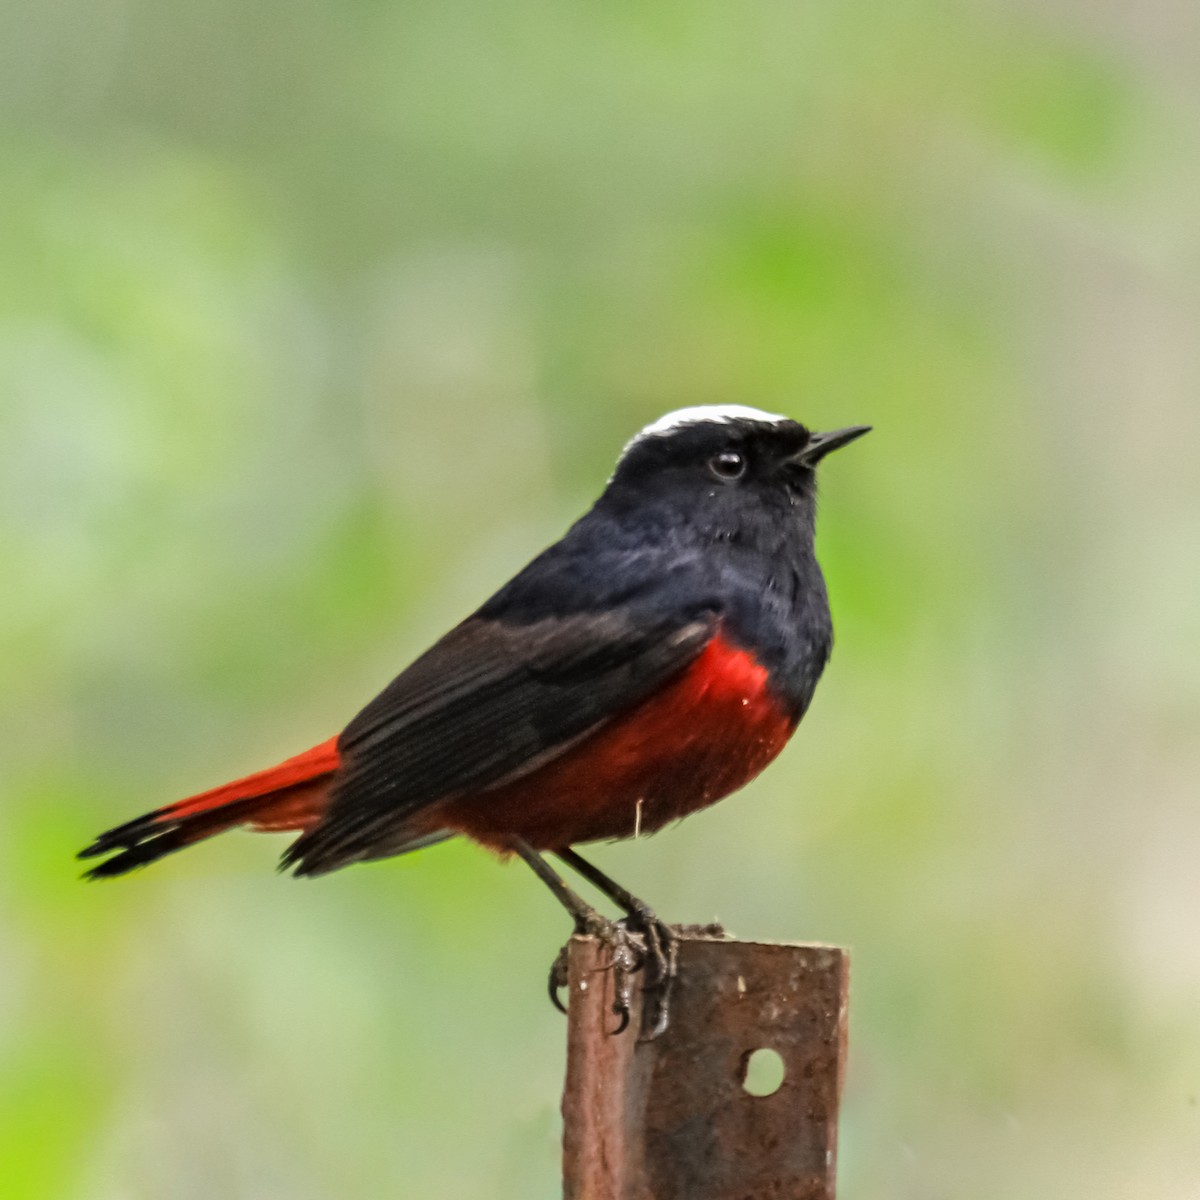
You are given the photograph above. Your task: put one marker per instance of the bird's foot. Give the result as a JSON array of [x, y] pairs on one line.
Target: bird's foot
[[642, 942], [627, 948], [660, 961]]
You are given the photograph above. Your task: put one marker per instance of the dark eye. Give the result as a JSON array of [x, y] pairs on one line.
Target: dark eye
[[727, 465]]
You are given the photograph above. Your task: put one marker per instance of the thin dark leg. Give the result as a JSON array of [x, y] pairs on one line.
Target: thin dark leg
[[582, 912], [626, 954], [636, 908], [610, 887]]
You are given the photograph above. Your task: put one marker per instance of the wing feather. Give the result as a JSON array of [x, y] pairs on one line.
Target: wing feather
[[487, 703]]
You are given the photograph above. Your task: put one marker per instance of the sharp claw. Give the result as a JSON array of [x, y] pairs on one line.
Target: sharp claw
[[662, 1019], [557, 980]]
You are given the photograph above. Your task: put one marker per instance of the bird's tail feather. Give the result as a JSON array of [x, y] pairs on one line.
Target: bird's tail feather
[[292, 795]]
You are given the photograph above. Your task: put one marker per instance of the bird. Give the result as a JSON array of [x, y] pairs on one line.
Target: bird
[[648, 664]]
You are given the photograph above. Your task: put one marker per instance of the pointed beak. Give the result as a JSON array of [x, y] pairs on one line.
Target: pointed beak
[[821, 444]]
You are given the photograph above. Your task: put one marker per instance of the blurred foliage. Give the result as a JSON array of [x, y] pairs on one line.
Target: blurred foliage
[[317, 320]]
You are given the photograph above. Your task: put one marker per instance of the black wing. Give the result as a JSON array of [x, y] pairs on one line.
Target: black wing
[[489, 702]]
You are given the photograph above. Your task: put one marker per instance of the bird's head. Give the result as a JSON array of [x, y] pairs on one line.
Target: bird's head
[[724, 467]]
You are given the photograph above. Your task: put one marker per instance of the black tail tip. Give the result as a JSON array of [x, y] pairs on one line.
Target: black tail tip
[[125, 860], [135, 844], [102, 845], [109, 869]]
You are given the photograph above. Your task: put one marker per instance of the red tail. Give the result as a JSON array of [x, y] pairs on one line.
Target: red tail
[[291, 795]]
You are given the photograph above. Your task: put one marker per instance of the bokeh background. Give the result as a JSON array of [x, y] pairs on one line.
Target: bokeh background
[[318, 319]]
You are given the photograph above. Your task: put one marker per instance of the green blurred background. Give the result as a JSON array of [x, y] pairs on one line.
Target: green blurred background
[[317, 320]]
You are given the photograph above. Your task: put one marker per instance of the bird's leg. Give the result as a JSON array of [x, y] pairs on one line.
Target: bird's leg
[[662, 942], [626, 954], [659, 935]]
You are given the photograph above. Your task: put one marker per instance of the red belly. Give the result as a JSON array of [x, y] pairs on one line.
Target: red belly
[[704, 735]]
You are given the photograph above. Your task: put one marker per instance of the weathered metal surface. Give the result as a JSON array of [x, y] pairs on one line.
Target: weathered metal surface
[[670, 1119]]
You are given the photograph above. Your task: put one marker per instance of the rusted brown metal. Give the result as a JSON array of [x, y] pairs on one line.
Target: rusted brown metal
[[670, 1119]]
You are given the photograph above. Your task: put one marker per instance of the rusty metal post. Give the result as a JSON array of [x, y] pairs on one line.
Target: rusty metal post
[[670, 1119]]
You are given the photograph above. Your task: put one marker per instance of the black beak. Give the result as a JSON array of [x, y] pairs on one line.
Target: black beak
[[821, 444]]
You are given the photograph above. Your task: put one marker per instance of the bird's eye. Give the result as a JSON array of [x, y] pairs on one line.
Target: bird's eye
[[727, 465]]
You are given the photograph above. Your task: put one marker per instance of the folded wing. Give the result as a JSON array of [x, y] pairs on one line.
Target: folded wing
[[489, 702]]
